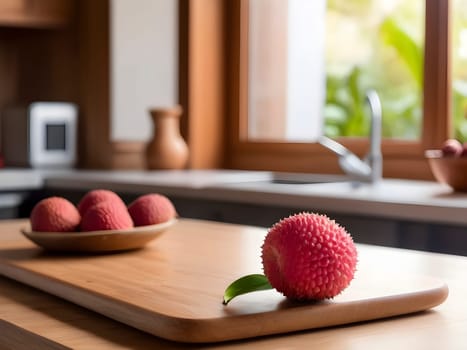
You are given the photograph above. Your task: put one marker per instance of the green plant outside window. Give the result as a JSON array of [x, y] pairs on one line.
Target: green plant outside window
[[386, 53]]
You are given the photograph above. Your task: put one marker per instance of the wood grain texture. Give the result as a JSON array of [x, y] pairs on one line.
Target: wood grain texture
[[31, 312], [94, 148], [437, 84], [13, 337], [35, 13], [30, 319], [202, 87], [174, 287]]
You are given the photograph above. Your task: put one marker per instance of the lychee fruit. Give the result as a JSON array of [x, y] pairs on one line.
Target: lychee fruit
[[106, 215], [309, 256], [55, 214], [96, 196], [464, 150], [451, 147], [151, 209]]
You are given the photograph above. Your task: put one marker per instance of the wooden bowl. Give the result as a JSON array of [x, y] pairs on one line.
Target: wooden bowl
[[448, 170], [98, 241]]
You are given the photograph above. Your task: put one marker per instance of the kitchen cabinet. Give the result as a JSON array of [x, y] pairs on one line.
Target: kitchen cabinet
[[35, 13], [99, 55], [58, 50]]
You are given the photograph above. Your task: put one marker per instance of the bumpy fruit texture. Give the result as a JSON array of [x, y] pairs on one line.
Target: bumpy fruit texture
[[106, 215], [93, 197], [151, 209], [54, 214], [309, 256]]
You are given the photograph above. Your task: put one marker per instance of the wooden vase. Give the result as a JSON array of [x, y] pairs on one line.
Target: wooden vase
[[167, 149]]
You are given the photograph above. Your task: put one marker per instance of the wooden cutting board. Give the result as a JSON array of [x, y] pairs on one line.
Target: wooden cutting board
[[173, 288]]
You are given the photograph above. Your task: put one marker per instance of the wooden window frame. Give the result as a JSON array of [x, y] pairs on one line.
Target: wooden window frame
[[402, 159]]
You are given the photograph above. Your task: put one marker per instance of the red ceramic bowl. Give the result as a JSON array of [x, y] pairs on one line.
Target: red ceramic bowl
[[448, 170]]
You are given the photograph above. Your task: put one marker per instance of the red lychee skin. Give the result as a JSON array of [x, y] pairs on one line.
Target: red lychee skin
[[107, 215], [309, 256], [464, 150], [151, 209], [55, 214], [451, 148], [93, 197]]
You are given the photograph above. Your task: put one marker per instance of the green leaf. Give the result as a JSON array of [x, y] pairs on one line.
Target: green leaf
[[246, 284], [406, 47]]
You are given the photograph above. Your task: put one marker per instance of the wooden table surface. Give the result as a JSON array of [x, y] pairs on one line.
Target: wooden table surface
[[32, 319]]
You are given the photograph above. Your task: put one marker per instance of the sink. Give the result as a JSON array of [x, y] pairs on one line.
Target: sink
[[303, 178]]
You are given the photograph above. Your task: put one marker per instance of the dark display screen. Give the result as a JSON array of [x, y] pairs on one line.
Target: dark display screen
[[55, 137]]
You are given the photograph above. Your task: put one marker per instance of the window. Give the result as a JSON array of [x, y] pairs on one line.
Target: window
[[374, 44], [247, 149], [315, 60], [459, 69], [285, 69]]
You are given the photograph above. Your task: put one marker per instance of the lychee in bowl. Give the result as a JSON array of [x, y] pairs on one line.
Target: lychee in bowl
[[448, 170], [98, 241]]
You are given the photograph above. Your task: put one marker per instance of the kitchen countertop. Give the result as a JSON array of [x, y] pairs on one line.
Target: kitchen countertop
[[401, 199], [14, 183], [421, 201], [20, 179], [32, 319]]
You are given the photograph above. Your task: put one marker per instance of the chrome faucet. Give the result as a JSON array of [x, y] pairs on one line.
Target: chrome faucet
[[369, 169]]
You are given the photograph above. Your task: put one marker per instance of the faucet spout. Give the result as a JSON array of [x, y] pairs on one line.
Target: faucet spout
[[369, 169], [374, 158]]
